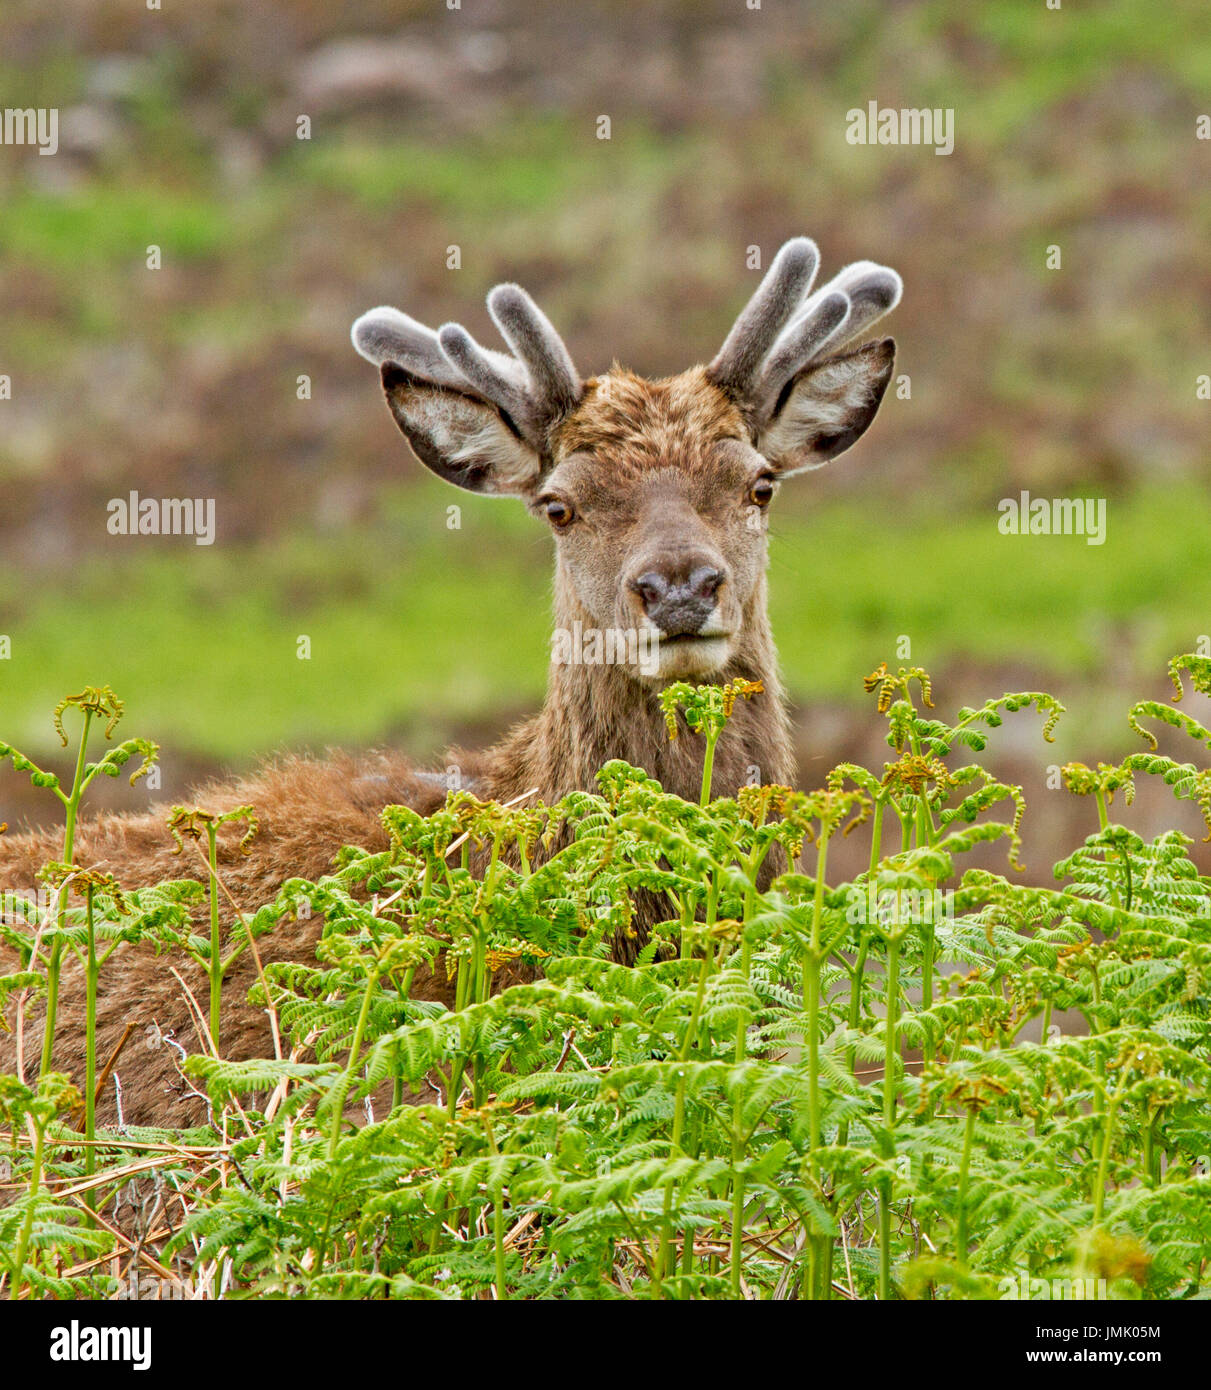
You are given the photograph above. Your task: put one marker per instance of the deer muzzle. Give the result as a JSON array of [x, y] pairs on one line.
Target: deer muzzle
[[680, 606]]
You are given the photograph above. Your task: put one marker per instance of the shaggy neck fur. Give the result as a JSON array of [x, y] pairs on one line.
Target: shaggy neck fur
[[595, 713]]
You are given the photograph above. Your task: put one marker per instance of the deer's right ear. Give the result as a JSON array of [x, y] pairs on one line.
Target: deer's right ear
[[462, 439]]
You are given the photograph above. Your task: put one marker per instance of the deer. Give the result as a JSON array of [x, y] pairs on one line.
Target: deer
[[657, 494]]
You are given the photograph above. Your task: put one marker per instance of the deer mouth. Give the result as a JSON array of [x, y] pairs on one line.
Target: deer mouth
[[681, 655], [674, 639]]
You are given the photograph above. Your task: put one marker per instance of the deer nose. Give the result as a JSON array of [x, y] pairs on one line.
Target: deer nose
[[679, 607]]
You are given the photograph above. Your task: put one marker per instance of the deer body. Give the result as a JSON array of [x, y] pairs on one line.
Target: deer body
[[657, 494]]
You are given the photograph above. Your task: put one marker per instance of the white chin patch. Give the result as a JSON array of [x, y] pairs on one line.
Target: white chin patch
[[685, 657]]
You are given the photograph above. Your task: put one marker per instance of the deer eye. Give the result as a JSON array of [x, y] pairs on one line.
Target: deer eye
[[559, 514], [761, 493]]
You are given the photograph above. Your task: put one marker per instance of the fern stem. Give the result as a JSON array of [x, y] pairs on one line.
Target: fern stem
[[857, 978], [56, 950], [91, 972], [1152, 1152], [664, 1255], [890, 1037], [708, 764], [737, 1250], [746, 968], [857, 974], [27, 1225], [969, 1131], [498, 1236], [498, 1214], [456, 1081], [215, 970], [342, 1087], [890, 1058], [811, 1004], [405, 992], [1103, 1166]]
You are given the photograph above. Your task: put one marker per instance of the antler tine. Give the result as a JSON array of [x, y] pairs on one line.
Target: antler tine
[[835, 315], [873, 290], [826, 315], [385, 335], [779, 294], [782, 330], [533, 387], [555, 383], [492, 375]]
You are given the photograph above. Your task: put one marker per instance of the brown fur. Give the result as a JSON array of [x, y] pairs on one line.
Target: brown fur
[[638, 423], [658, 474]]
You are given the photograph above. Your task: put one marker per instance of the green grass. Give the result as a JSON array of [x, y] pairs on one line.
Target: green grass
[[1034, 58], [528, 165], [411, 623], [111, 224], [957, 587], [203, 641]]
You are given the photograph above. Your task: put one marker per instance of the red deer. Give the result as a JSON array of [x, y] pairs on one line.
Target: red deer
[[656, 493]]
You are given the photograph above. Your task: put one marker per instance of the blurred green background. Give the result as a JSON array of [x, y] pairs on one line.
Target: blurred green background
[[477, 127]]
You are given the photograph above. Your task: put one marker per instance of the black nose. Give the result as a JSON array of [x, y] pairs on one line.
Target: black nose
[[678, 607]]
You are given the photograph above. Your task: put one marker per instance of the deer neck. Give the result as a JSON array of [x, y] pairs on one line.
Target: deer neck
[[597, 711]]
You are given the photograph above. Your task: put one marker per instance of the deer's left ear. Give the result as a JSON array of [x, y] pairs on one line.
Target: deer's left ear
[[824, 409]]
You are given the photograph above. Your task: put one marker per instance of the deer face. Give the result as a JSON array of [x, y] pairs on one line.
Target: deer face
[[657, 492], [657, 501]]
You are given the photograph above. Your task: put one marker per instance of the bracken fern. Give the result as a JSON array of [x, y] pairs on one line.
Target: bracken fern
[[930, 1081]]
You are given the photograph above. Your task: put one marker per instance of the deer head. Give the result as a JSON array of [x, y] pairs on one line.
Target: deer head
[[657, 492]]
